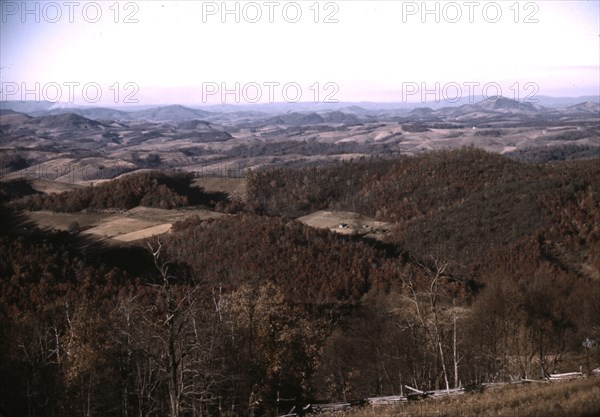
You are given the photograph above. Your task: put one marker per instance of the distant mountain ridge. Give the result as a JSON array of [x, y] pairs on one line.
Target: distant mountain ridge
[[64, 122], [94, 113], [586, 107], [174, 112], [496, 105], [298, 113]]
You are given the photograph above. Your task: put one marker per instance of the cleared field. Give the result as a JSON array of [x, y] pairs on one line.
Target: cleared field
[[48, 187], [345, 222], [42, 185], [61, 221], [127, 226], [117, 226], [144, 233]]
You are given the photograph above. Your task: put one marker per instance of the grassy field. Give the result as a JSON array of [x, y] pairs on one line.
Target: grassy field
[[355, 223], [580, 398], [125, 226]]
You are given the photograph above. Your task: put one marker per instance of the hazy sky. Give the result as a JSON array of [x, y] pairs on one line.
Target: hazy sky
[[195, 52]]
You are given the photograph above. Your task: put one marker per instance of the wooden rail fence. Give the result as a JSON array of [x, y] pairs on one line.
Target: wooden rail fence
[[416, 394]]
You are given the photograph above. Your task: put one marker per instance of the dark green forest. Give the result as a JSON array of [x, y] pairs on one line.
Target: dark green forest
[[491, 273]]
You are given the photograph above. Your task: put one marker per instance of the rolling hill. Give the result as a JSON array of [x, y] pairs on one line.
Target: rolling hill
[[169, 114]]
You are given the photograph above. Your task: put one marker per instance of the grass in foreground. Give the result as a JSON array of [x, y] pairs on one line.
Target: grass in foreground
[[579, 398]]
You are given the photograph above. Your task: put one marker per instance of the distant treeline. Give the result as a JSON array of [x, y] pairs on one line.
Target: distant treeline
[[309, 148], [556, 153]]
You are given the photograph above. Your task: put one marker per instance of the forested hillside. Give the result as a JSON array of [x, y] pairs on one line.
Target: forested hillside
[[491, 273], [455, 204], [150, 189]]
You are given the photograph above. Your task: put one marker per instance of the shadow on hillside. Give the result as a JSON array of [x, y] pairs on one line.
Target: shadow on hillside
[[182, 185], [14, 189], [133, 258]]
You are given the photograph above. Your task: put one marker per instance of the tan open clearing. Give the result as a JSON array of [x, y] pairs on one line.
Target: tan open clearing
[[127, 226], [117, 226], [42, 185], [346, 222], [61, 221], [144, 233]]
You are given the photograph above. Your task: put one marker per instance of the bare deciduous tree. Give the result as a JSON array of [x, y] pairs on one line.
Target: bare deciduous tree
[[425, 298]]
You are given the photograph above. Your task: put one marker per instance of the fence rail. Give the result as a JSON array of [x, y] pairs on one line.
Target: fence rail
[[433, 394]]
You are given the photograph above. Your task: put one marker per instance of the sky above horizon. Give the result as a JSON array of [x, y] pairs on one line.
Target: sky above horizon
[[204, 52]]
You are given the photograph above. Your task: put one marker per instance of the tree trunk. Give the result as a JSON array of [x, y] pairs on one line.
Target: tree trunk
[[455, 348]]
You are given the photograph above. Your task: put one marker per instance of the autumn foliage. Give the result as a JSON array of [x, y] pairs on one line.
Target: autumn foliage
[[491, 273], [144, 189]]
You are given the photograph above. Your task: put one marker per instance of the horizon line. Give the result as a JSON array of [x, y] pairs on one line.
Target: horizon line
[[308, 102]]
